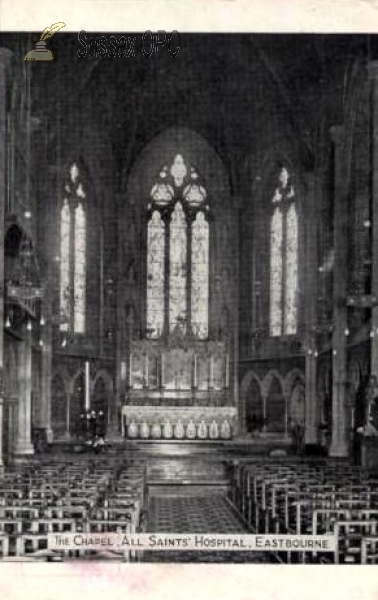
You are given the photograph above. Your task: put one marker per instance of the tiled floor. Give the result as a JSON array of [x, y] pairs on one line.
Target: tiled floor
[[210, 514]]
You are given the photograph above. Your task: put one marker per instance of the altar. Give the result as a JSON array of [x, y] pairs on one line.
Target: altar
[[179, 391]]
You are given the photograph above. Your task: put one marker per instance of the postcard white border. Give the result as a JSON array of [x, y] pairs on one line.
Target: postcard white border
[[102, 581]]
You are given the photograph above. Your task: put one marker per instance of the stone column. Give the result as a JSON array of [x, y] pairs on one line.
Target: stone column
[[48, 244], [310, 316], [311, 401], [373, 75], [339, 441], [234, 324], [46, 362], [5, 57], [24, 446]]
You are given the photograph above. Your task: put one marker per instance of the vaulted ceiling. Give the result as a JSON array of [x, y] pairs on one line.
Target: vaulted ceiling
[[226, 87]]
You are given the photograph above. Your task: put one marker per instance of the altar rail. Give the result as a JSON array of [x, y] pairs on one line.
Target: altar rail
[[190, 423]]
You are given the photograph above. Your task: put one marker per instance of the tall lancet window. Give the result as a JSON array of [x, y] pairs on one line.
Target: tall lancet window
[[178, 242], [65, 284], [200, 276], [177, 269], [284, 258], [73, 254], [155, 274]]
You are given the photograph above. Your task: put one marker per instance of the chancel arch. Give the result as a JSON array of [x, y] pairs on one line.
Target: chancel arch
[[178, 193]]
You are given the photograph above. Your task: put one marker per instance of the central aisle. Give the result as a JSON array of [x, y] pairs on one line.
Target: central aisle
[[197, 514]]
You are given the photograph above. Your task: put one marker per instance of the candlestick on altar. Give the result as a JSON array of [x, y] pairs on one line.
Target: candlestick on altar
[[162, 371], [87, 387], [195, 371], [146, 369], [227, 370], [211, 372], [131, 370]]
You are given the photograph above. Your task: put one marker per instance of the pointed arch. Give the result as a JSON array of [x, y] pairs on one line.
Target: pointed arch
[[178, 252], [73, 250], [292, 378], [253, 401], [275, 403], [180, 166], [283, 256], [267, 381], [276, 407]]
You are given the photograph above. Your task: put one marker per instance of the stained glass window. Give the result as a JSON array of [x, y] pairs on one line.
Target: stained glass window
[[155, 275], [178, 198], [200, 276], [65, 287], [73, 241], [291, 290], [276, 273], [283, 258], [178, 269], [80, 270]]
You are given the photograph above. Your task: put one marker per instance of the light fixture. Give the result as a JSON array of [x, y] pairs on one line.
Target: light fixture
[[23, 284], [29, 325], [42, 321], [27, 214], [334, 352], [64, 343], [346, 332], [372, 333], [367, 223], [7, 322], [41, 343]]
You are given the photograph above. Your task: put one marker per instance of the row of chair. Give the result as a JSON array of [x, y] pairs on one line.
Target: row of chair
[[106, 495], [310, 497]]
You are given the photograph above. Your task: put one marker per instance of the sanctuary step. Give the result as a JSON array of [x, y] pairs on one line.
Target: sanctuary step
[[223, 449], [187, 471], [168, 490]]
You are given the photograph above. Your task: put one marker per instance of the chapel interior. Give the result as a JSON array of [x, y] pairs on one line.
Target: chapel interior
[[189, 294]]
